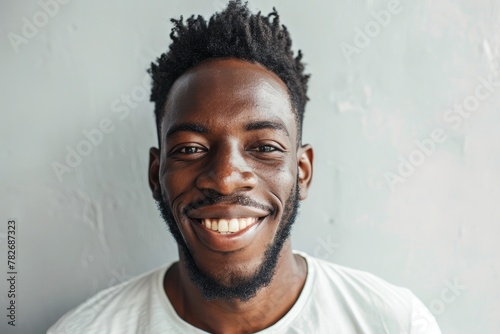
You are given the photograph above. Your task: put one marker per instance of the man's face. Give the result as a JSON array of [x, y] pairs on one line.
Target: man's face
[[229, 174]]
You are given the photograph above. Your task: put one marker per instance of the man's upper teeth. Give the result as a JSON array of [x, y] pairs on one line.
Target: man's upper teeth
[[227, 225]]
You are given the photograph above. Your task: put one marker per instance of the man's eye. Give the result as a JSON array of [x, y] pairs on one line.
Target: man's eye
[[189, 150], [266, 148]]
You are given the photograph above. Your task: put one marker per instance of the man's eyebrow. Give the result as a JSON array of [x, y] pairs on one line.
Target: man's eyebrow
[[186, 127], [274, 125]]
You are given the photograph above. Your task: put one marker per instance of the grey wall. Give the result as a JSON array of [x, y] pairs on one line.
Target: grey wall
[[374, 100]]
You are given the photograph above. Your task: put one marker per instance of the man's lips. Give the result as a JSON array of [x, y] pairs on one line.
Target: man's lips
[[218, 226]]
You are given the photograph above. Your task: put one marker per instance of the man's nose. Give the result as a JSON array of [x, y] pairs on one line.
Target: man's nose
[[228, 172]]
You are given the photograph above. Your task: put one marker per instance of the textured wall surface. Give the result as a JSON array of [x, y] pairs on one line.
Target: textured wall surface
[[403, 116]]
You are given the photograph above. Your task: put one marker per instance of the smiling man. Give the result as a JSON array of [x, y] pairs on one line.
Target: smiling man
[[228, 175]]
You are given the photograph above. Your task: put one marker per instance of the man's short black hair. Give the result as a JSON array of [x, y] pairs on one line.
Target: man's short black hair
[[234, 32]]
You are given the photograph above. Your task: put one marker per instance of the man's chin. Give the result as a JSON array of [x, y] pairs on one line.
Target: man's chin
[[228, 271], [230, 281]]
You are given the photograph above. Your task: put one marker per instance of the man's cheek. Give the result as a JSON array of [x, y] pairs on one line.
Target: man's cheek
[[284, 182]]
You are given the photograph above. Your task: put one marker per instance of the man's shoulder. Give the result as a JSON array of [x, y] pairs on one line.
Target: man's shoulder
[[120, 303], [360, 281], [364, 298]]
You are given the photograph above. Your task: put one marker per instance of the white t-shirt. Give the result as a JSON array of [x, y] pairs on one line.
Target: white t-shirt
[[335, 299]]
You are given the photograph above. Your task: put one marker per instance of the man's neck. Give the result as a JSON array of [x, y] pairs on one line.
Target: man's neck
[[220, 316]]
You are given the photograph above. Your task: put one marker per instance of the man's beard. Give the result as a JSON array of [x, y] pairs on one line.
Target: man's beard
[[243, 288]]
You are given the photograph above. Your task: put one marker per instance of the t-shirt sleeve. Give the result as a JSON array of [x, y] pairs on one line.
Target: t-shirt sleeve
[[422, 320]]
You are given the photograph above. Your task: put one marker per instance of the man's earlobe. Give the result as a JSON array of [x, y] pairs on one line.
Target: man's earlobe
[[305, 163], [154, 172]]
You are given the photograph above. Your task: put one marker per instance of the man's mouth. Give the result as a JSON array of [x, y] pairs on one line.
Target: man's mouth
[[228, 226]]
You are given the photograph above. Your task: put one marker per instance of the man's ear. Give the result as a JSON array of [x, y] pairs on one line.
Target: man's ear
[[305, 161], [154, 172]]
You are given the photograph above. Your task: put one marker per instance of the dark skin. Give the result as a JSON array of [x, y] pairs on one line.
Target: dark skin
[[245, 143]]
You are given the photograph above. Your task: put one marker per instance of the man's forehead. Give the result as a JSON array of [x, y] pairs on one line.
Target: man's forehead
[[223, 71], [220, 82]]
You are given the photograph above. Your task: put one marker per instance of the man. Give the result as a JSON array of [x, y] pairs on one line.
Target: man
[[228, 176]]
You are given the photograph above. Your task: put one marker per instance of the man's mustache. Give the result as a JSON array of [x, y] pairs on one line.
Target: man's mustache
[[237, 199]]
